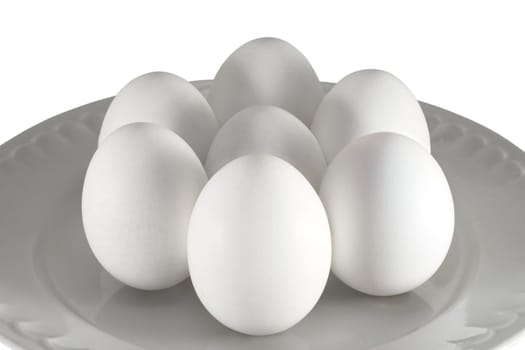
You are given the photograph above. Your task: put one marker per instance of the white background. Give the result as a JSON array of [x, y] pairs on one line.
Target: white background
[[468, 57]]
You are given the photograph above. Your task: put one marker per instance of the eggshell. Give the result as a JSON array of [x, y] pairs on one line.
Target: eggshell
[[367, 102], [137, 199], [272, 130], [391, 214], [259, 245], [266, 71], [168, 100]]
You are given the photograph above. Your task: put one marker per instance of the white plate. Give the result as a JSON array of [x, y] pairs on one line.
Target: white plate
[[54, 295]]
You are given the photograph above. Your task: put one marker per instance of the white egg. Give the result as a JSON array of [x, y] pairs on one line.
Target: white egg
[[391, 213], [266, 71], [138, 194], [367, 102], [272, 130], [168, 100], [259, 246]]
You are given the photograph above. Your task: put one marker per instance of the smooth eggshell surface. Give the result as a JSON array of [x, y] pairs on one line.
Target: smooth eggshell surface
[[266, 71], [259, 245], [391, 213], [168, 100], [137, 199], [367, 102], [272, 130]]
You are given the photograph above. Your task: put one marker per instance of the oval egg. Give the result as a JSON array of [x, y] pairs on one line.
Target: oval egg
[[168, 100], [266, 71], [391, 213], [138, 194], [367, 102], [272, 130], [259, 245]]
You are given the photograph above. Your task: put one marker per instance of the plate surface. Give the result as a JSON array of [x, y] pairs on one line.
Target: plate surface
[[54, 294]]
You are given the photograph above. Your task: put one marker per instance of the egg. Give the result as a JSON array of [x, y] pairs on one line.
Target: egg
[[138, 194], [266, 71], [391, 214], [168, 100], [367, 102], [259, 246], [272, 130]]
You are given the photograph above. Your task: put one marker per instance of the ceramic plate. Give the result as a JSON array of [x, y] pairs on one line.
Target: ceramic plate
[[54, 294]]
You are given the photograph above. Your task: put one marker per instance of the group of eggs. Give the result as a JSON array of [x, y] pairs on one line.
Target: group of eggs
[[263, 187]]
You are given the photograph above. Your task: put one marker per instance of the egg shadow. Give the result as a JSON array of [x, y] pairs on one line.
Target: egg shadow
[[175, 317], [345, 316], [158, 319], [286, 340]]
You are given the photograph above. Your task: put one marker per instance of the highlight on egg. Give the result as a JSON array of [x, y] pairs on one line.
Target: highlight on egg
[[266, 71], [167, 100], [259, 246], [391, 214], [271, 130], [138, 195], [366, 102]]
